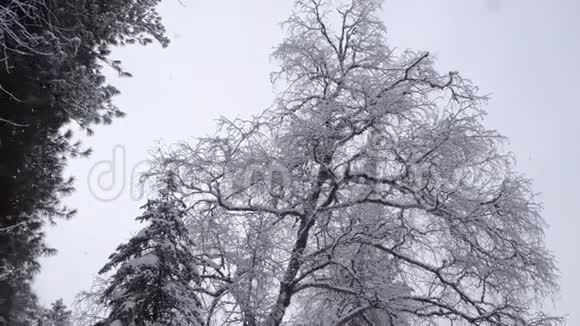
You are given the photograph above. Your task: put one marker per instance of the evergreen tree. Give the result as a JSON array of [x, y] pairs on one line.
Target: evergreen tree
[[51, 55], [26, 311], [58, 315], [155, 273]]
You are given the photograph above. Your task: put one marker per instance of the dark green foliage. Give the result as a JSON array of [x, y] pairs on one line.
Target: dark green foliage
[[25, 311], [51, 57]]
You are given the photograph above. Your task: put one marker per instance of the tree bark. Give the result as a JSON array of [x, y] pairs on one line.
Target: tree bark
[[286, 287]]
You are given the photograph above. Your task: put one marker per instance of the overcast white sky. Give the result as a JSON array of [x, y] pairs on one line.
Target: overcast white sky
[[526, 53]]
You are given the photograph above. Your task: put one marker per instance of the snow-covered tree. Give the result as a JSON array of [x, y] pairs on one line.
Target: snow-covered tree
[[52, 55], [25, 308], [371, 192], [154, 274], [57, 315]]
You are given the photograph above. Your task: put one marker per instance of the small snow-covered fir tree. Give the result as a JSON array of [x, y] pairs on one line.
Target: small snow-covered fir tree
[[58, 315], [154, 274]]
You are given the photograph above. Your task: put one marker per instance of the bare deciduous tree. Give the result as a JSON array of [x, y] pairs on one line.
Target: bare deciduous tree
[[371, 193]]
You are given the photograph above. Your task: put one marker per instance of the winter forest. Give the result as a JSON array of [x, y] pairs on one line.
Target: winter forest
[[370, 192]]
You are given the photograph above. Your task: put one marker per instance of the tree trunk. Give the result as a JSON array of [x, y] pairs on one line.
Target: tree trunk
[[286, 287]]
